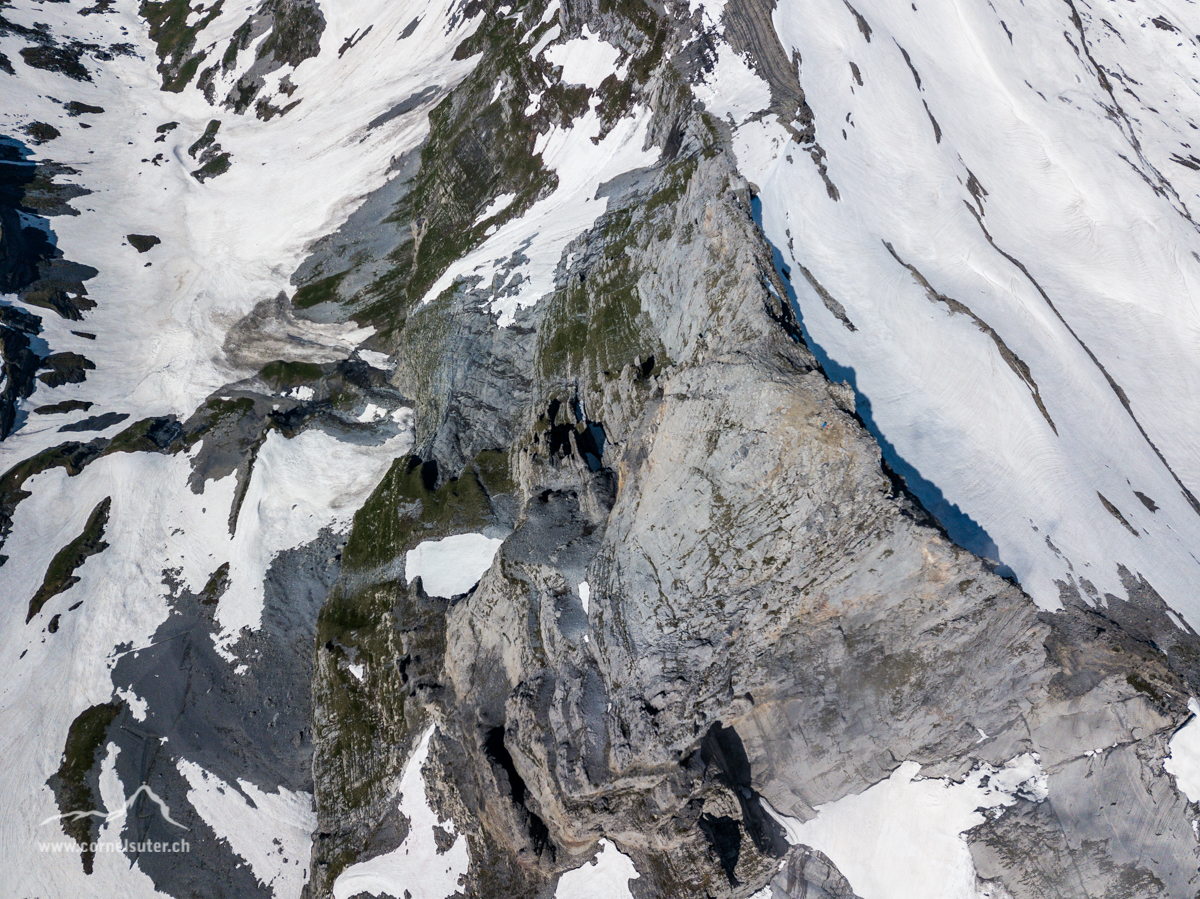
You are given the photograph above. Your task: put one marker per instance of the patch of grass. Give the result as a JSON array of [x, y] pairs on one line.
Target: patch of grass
[[218, 165], [142, 242], [175, 40], [40, 132], [217, 584], [405, 509], [285, 375], [1142, 685], [85, 739], [65, 368], [675, 179], [148, 435], [477, 149], [64, 406], [60, 575], [323, 291], [598, 326]]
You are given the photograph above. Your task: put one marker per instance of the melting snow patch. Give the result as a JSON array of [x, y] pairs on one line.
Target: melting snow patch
[[902, 838], [606, 876], [1184, 762], [272, 831], [372, 413], [358, 671], [451, 566], [586, 60], [381, 361], [416, 867], [499, 204], [518, 261], [137, 705], [551, 35], [733, 90], [585, 594]]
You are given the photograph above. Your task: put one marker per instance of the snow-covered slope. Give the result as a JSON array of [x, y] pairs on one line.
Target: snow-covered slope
[[988, 226], [156, 343], [983, 216]]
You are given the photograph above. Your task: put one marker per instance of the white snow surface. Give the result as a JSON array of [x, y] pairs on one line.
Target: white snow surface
[[606, 876], [497, 205], [227, 244], [271, 831], [415, 865], [1184, 762], [1094, 272], [902, 838], [582, 162], [585, 595], [452, 565], [733, 92], [585, 60], [298, 488]]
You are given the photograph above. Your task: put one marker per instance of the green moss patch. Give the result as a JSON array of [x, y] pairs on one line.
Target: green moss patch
[[81, 755], [175, 40], [60, 575], [323, 291], [286, 375], [406, 508], [142, 242]]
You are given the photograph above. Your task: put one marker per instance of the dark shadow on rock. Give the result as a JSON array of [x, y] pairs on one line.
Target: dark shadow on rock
[[723, 750]]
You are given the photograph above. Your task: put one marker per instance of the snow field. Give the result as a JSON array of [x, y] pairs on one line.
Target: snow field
[[606, 876], [902, 837], [1028, 120], [452, 565], [161, 322], [271, 831]]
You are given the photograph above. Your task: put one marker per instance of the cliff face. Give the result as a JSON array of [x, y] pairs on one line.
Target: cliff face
[[505, 455], [713, 612]]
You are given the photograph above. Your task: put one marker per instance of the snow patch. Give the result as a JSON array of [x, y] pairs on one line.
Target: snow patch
[[1184, 761], [415, 867], [546, 39], [372, 413], [452, 565], [733, 92], [902, 838], [271, 831], [381, 361], [586, 60], [137, 706], [585, 594], [499, 204], [606, 876]]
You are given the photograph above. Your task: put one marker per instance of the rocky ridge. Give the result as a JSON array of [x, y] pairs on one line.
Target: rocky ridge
[[770, 621]]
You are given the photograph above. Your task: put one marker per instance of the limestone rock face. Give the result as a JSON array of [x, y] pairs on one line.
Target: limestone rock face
[[771, 621], [580, 307]]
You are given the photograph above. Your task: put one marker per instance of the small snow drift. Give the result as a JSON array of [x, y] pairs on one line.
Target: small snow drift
[[1184, 761], [417, 867], [606, 876], [452, 565], [902, 838]]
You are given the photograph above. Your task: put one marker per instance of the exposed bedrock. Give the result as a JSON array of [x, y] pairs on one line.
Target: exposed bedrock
[[734, 609]]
